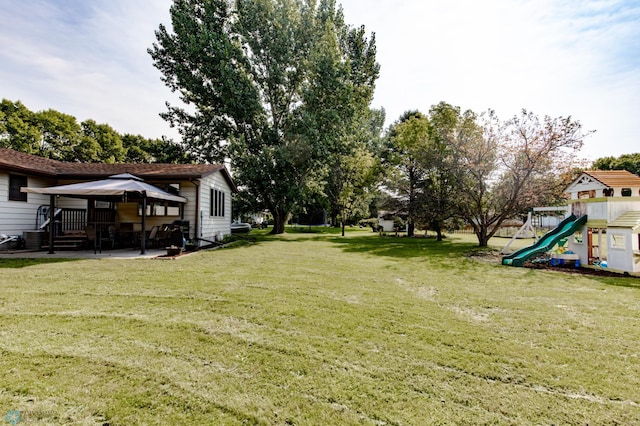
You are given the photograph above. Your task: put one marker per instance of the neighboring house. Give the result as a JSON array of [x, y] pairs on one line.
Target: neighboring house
[[207, 188], [390, 221]]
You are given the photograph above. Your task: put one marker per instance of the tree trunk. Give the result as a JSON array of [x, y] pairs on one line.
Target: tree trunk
[[342, 228], [279, 221], [334, 220], [439, 234], [411, 228], [483, 237]]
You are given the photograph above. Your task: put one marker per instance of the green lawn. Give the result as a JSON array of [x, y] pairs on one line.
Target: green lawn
[[313, 328]]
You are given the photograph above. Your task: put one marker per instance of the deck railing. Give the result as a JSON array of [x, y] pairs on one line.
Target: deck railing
[[73, 220]]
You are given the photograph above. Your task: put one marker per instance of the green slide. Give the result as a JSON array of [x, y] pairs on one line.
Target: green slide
[[547, 241]]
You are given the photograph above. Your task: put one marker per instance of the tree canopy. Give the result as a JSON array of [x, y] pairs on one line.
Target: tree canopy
[[273, 85], [59, 136], [479, 168], [507, 162], [628, 162]]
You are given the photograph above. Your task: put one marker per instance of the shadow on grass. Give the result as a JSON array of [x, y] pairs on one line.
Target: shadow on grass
[[371, 243], [629, 281], [324, 230], [291, 234], [405, 247], [25, 262]]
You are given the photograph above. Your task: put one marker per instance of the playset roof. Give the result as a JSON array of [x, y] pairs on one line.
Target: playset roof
[[615, 178]]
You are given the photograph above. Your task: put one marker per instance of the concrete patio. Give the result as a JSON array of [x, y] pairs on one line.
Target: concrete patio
[[127, 253]]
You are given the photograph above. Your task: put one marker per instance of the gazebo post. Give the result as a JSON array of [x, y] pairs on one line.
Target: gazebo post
[[143, 239], [52, 213]]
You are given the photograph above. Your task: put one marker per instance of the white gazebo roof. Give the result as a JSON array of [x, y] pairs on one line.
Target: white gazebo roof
[[123, 185]]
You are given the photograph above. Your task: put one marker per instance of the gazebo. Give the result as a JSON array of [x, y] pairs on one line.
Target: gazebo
[[122, 187]]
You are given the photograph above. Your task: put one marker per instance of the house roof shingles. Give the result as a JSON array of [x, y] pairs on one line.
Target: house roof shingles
[[143, 170], [21, 162], [26, 163]]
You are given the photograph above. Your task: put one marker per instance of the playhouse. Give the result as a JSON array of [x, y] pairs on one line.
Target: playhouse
[[611, 201], [603, 227]]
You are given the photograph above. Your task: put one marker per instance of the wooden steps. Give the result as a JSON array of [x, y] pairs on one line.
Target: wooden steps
[[67, 242]]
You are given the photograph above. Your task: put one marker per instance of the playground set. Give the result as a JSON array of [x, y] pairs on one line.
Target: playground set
[[602, 229]]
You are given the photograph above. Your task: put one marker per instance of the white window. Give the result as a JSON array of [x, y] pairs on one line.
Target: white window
[[217, 203], [160, 209], [617, 241]]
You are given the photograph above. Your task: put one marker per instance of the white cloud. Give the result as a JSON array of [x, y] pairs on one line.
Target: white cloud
[[87, 59]]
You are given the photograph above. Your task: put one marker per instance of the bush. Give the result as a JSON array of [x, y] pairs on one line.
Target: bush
[[371, 223]]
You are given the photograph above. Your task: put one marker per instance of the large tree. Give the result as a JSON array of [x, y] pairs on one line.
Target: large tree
[[18, 128], [142, 150], [268, 83], [440, 186], [60, 134], [408, 141], [109, 142], [352, 175], [503, 160]]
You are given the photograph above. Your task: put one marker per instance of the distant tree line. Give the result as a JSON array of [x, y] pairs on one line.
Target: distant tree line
[[629, 162], [59, 136]]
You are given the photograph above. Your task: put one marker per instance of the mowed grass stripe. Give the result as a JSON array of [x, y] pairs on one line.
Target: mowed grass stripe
[[308, 329]]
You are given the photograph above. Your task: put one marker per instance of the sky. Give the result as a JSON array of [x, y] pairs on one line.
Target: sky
[[578, 58]]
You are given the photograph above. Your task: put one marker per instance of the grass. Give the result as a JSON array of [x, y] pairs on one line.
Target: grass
[[313, 328]]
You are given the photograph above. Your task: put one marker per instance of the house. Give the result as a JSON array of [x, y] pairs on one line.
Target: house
[[201, 202], [611, 201]]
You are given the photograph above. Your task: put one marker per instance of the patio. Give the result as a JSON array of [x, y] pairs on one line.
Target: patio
[[83, 254]]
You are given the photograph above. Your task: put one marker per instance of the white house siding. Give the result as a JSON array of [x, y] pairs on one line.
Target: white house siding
[[69, 203], [386, 224], [208, 227], [597, 210], [129, 213], [19, 216], [212, 227]]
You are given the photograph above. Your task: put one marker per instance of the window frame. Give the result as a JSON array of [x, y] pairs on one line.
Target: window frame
[[618, 241], [15, 183], [160, 209], [217, 203]]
